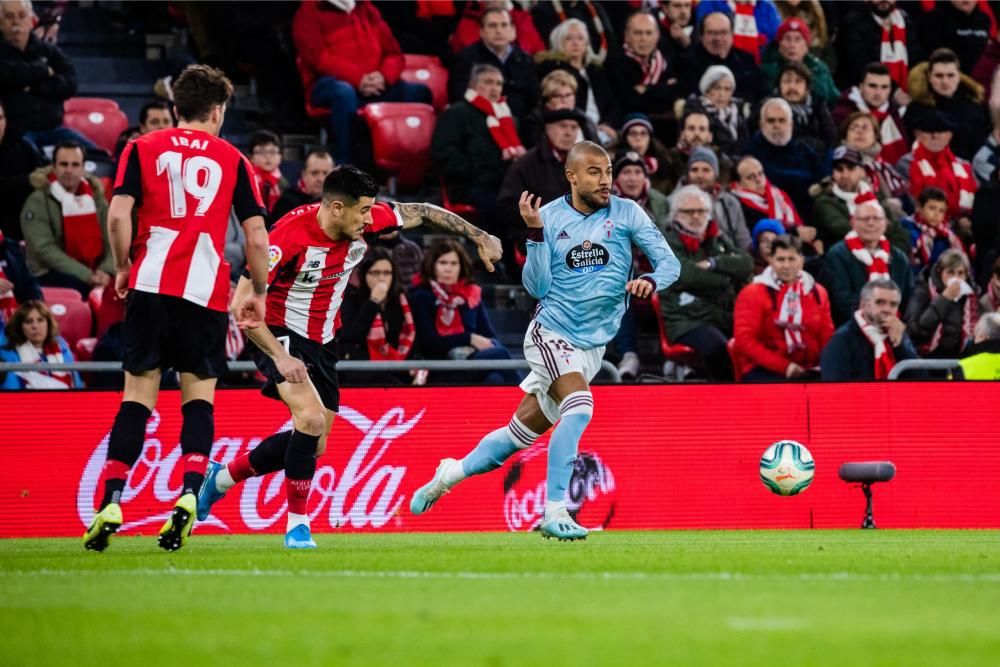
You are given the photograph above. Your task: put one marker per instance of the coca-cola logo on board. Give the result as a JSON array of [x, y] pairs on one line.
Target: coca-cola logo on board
[[590, 497], [365, 493]]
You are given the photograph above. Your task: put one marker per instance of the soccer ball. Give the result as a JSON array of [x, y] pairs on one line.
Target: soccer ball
[[787, 468]]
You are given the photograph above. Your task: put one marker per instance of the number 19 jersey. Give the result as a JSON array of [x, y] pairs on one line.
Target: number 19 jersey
[[185, 183]]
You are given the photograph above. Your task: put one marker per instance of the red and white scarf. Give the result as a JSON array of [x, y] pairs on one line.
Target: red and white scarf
[[970, 313], [949, 173], [653, 66], [693, 241], [447, 320], [890, 136], [498, 120], [774, 203], [379, 348], [27, 353], [746, 37], [789, 317], [81, 228], [924, 245], [269, 184], [8, 302], [885, 359], [893, 51], [852, 198], [876, 262]]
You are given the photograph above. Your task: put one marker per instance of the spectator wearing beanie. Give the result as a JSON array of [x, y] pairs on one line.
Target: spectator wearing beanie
[[703, 172], [631, 176], [791, 45], [764, 233], [961, 26], [636, 134], [715, 47], [939, 84], [781, 321], [724, 111]]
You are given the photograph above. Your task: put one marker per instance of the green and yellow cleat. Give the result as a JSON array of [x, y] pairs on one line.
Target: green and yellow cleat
[[105, 524], [176, 530]]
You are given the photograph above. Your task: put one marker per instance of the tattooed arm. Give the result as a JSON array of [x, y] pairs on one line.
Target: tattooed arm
[[414, 214]]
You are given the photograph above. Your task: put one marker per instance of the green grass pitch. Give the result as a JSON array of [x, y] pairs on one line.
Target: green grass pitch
[[620, 598]]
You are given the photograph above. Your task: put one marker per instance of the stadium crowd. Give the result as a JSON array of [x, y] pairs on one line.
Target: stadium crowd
[[826, 172]]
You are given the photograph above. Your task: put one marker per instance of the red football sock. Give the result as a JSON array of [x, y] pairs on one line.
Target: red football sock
[[241, 469], [297, 491]]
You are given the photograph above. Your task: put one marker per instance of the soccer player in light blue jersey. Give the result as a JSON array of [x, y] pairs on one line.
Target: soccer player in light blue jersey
[[579, 268]]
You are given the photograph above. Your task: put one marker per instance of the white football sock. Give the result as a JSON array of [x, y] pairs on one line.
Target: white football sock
[[296, 520], [454, 473], [224, 481], [552, 507]]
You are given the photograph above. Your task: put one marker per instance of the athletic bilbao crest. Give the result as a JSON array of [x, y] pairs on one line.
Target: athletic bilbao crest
[[590, 497], [588, 257]]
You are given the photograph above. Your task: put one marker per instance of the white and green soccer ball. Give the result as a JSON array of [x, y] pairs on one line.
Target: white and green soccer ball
[[787, 468]]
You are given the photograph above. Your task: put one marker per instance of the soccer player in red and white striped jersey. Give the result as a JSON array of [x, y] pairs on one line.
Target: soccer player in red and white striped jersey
[[181, 183], [313, 250]]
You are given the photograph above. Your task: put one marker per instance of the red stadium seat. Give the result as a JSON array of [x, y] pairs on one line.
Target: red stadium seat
[[401, 138], [96, 120], [675, 352], [109, 309], [736, 358], [74, 319], [84, 350], [52, 295], [429, 71]]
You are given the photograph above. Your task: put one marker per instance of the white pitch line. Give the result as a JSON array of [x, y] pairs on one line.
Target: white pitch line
[[983, 578]]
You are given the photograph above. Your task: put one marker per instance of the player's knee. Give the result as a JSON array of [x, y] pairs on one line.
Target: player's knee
[[198, 429], [521, 435], [310, 420], [578, 405]]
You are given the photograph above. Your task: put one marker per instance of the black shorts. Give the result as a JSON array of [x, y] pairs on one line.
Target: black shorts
[[164, 332], [320, 360]]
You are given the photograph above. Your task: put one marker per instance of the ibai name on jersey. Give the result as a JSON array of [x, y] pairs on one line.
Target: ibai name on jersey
[[199, 144]]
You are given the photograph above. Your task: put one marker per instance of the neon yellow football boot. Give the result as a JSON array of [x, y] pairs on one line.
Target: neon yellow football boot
[[105, 524], [176, 530]]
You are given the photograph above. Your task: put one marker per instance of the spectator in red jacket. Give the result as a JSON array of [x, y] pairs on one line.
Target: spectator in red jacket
[[781, 321], [350, 59]]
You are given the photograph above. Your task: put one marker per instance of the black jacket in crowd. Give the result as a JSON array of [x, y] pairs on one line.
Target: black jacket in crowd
[[924, 315], [34, 99], [657, 99], [860, 43], [539, 172], [18, 158], [750, 85], [597, 78], [520, 82], [986, 228], [965, 34], [848, 356]]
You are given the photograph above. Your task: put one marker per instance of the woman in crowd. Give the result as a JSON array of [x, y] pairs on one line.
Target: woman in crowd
[[449, 314], [558, 92], [861, 131], [33, 337], [942, 312], [376, 323], [725, 112]]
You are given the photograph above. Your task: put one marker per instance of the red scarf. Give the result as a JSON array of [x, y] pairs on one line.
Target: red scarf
[[379, 348], [970, 313], [774, 203], [746, 37], [884, 357], [269, 183], [595, 23], [81, 228], [789, 318], [498, 120], [924, 244], [893, 51], [949, 173], [692, 241], [877, 262], [27, 353], [8, 303], [890, 136], [653, 67], [447, 320]]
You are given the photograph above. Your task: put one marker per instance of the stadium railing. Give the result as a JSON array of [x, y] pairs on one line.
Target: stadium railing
[[344, 366], [921, 365]]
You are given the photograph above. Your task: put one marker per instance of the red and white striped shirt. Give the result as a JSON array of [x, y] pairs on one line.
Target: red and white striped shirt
[[309, 271], [185, 183]]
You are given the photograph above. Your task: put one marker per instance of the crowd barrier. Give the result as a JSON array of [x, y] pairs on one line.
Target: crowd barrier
[[654, 457]]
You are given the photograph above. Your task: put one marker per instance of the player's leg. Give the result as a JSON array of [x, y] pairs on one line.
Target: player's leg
[[310, 419], [526, 426], [128, 433], [576, 406], [265, 458]]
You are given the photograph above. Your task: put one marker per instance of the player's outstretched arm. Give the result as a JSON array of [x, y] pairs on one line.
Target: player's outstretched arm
[[291, 368], [416, 213], [666, 266], [249, 312], [537, 272], [120, 237]]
